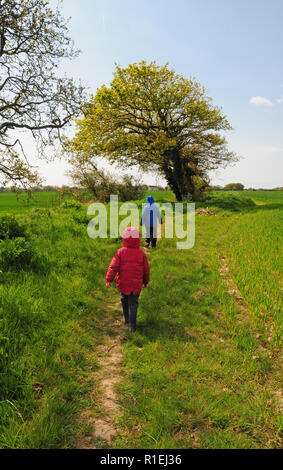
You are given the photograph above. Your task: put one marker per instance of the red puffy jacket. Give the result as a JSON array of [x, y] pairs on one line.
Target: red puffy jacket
[[129, 264]]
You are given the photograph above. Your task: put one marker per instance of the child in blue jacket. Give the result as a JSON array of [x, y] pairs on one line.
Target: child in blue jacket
[[149, 218]]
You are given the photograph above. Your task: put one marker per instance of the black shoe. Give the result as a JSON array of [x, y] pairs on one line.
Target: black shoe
[[132, 329]]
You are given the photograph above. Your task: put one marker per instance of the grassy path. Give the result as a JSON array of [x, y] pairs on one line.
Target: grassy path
[[193, 377], [196, 373], [103, 411], [104, 423]]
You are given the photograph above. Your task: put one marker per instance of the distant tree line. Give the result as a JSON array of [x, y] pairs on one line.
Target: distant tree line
[[130, 186], [240, 187], [234, 187], [7, 189]]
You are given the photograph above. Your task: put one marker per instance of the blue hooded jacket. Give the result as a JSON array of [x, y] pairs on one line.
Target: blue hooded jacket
[[153, 213]]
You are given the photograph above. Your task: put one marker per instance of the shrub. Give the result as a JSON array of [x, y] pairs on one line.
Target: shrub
[[81, 219], [40, 212], [102, 184], [129, 189], [20, 254], [200, 189], [10, 228], [229, 202], [71, 204]]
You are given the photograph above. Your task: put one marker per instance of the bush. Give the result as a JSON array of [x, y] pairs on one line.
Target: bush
[[102, 184], [20, 254], [81, 219], [200, 189], [10, 228], [229, 202], [129, 189], [40, 212], [71, 204]]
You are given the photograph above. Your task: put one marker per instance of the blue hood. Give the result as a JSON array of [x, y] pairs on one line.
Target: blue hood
[[150, 200]]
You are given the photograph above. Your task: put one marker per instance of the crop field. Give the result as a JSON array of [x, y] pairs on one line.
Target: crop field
[[203, 370], [18, 203]]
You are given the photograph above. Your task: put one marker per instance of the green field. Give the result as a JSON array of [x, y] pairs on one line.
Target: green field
[[19, 203], [202, 369]]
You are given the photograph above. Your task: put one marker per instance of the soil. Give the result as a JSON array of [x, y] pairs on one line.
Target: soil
[[104, 426]]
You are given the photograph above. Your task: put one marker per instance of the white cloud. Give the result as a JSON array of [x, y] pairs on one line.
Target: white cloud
[[260, 101], [280, 100]]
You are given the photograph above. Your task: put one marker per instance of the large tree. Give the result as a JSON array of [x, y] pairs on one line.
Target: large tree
[[152, 117], [33, 40]]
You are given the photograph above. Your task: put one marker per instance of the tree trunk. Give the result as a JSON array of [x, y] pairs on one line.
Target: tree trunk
[[179, 175]]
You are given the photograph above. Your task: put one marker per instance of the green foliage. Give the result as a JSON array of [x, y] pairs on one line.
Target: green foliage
[[129, 189], [81, 218], [71, 204], [19, 253], [102, 185], [10, 228], [154, 118], [200, 189], [234, 187], [15, 253], [40, 212], [229, 201]]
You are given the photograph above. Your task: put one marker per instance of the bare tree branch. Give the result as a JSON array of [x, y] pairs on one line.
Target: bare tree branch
[[33, 40]]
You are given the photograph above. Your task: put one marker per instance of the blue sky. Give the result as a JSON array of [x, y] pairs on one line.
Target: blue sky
[[232, 47]]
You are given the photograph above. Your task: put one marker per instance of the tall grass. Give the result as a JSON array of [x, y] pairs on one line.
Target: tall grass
[[254, 249], [48, 320]]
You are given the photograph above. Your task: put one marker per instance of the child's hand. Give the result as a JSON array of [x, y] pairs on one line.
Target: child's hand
[[108, 284], [145, 285]]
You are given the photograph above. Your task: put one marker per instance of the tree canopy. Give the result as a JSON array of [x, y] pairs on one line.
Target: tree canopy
[[152, 117], [33, 40]]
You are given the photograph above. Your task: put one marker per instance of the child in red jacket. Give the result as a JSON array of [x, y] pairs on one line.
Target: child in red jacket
[[131, 268]]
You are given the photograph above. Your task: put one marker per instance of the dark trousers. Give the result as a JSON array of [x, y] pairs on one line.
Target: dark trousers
[[152, 237], [130, 305]]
